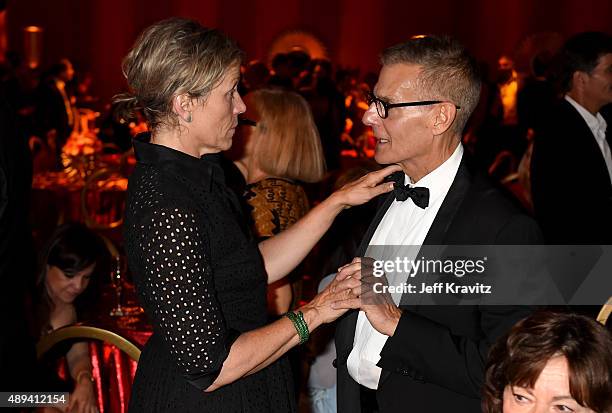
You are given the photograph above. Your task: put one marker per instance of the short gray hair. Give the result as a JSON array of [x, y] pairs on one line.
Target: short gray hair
[[448, 72]]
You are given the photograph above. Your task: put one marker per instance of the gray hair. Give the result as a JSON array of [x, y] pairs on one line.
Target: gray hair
[[448, 72]]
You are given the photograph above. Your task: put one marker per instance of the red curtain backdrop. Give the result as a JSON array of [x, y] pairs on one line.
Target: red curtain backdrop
[[96, 34]]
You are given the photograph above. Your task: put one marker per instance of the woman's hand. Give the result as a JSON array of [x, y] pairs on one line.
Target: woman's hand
[[360, 279], [320, 311], [82, 398], [365, 188], [284, 251]]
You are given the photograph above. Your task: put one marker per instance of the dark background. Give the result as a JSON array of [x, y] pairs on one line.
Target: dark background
[[96, 34]]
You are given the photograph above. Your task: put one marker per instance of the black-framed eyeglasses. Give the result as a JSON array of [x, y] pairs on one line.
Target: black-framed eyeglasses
[[383, 107]]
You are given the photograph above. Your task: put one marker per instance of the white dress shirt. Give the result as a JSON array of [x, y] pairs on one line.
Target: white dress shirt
[[414, 223], [598, 126]]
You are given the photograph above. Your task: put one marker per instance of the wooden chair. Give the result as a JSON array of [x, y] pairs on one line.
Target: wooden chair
[[113, 389], [47, 342], [605, 311]]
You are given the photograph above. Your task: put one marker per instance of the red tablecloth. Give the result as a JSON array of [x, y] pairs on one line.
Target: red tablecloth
[[113, 370]]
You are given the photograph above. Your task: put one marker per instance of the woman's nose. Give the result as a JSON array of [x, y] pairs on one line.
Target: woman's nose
[[79, 284], [240, 106]]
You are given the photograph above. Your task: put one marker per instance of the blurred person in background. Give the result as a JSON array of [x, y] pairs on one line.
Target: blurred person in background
[[67, 287], [55, 116], [572, 148], [328, 109], [255, 76], [281, 151]]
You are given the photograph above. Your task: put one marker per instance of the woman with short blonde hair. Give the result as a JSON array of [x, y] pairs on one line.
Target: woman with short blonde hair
[[290, 146], [199, 274], [281, 151]]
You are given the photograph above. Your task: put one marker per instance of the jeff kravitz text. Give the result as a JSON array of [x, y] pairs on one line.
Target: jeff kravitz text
[[435, 288]]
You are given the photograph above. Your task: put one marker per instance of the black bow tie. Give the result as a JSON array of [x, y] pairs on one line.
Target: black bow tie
[[419, 194]]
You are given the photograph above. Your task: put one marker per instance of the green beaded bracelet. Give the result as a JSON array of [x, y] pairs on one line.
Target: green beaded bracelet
[[300, 325], [305, 334]]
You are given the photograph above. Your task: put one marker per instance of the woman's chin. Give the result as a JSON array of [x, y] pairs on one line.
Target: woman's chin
[[228, 144], [69, 298]]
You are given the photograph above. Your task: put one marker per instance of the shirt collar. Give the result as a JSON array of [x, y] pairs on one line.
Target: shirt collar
[[595, 123], [440, 179], [202, 171]]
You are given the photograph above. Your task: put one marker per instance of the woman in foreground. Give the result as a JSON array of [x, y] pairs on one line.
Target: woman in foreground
[[200, 275]]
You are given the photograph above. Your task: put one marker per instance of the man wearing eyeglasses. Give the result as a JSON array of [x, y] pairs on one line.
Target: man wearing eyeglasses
[[404, 357]]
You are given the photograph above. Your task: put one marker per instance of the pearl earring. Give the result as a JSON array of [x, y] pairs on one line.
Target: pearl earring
[[188, 119]]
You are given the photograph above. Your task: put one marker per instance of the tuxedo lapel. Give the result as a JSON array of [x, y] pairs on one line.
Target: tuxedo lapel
[[584, 142], [374, 224], [437, 236], [453, 200]]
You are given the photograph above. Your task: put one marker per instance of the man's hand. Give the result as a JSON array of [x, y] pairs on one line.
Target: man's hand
[[378, 307]]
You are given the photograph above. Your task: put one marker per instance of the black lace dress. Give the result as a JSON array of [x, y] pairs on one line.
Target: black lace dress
[[201, 281]]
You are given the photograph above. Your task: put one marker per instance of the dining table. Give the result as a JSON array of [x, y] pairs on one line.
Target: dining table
[[94, 196]]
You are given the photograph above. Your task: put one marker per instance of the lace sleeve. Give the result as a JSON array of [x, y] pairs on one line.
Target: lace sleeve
[[177, 290]]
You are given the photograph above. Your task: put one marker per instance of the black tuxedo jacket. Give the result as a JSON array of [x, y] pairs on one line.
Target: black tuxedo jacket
[[570, 184], [435, 360]]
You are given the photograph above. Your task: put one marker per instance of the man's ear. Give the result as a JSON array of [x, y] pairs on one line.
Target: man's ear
[[578, 79], [443, 117], [183, 106]]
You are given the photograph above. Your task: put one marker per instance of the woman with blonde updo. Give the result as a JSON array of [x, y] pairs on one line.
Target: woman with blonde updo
[[199, 272]]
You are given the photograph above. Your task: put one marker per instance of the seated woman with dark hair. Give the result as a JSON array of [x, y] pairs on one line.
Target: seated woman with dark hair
[[551, 362], [66, 283]]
